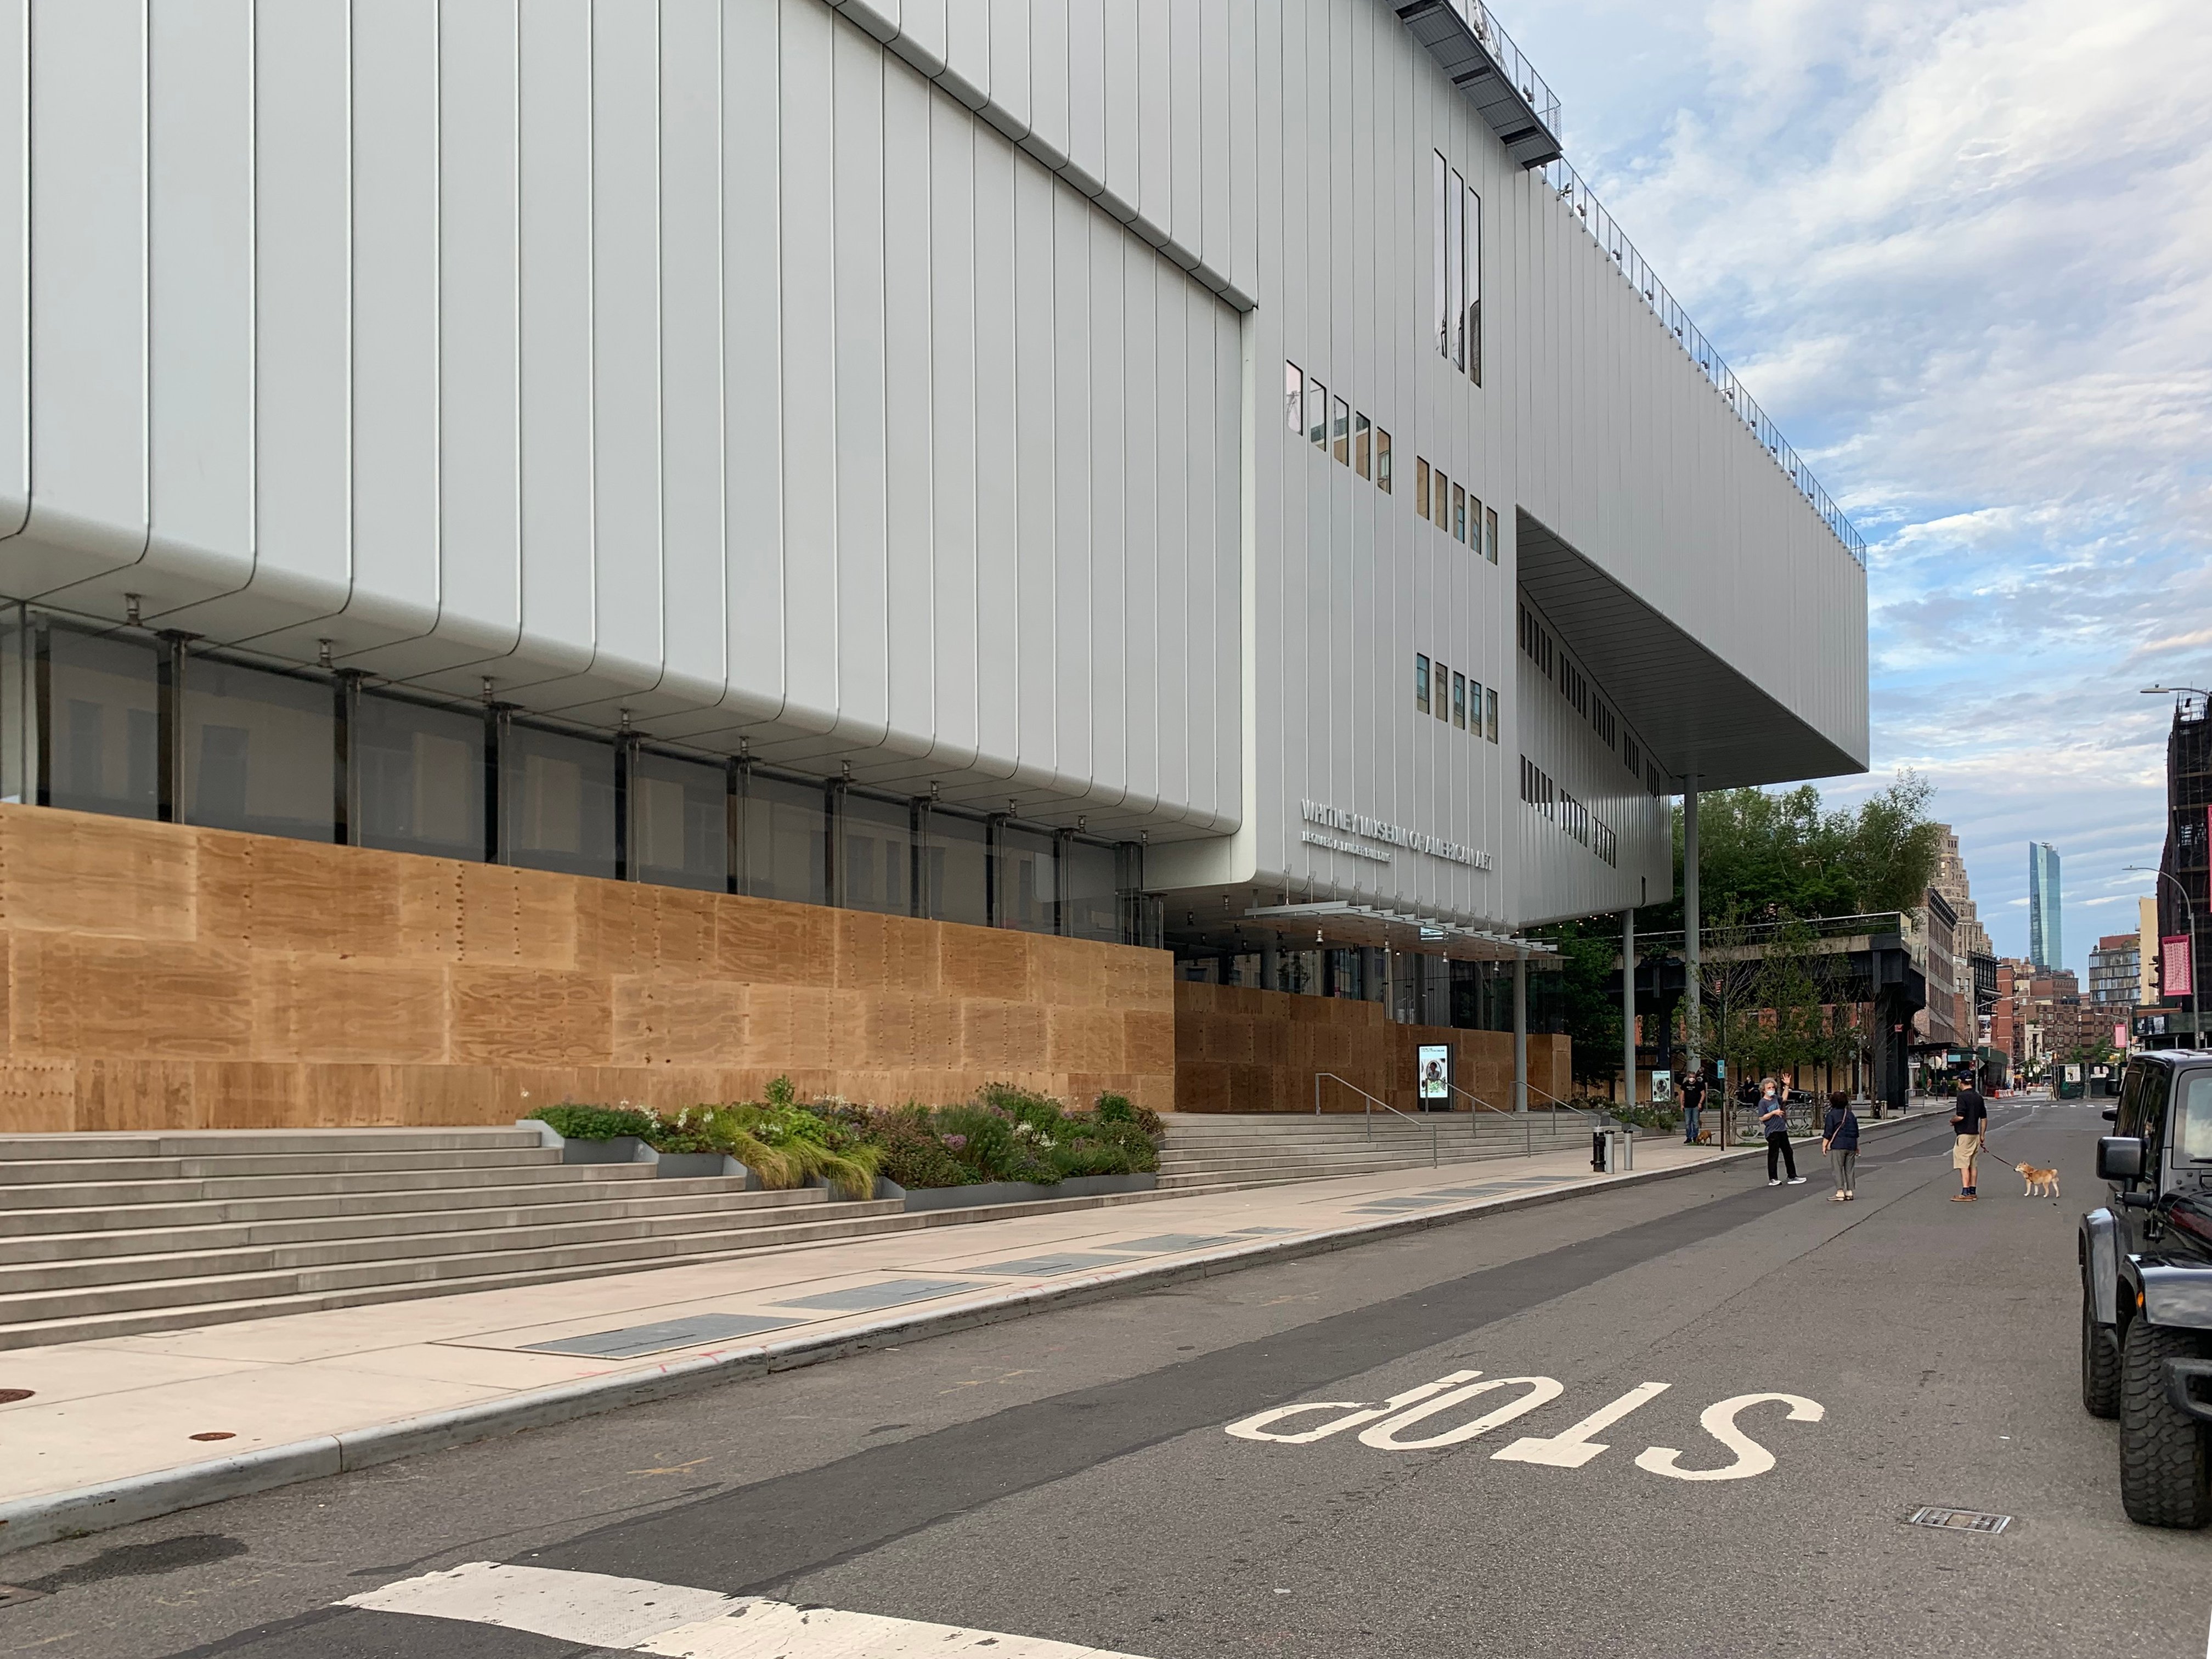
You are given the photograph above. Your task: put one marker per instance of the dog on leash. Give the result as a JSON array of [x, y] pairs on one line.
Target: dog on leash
[[2040, 1182]]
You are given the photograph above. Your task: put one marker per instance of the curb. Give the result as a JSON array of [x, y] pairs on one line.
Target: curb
[[48, 1517]]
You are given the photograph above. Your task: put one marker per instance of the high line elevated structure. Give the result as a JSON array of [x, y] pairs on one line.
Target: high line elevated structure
[[624, 552]]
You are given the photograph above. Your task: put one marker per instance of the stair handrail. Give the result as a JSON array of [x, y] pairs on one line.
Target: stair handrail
[[1558, 1104], [1528, 1134], [1368, 1110]]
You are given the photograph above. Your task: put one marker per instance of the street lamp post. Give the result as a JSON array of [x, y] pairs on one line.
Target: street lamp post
[[2189, 918]]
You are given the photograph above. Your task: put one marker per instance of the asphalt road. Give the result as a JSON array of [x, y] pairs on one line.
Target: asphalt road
[[1071, 1476]]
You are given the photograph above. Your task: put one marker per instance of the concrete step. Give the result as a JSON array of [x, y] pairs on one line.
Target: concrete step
[[44, 1171], [216, 1143], [104, 1193], [162, 1238]]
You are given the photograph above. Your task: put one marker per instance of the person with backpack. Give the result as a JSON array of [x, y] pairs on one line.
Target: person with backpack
[[1774, 1118], [1969, 1124], [1840, 1140]]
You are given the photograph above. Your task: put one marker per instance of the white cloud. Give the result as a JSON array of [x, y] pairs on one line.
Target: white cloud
[[1963, 253]]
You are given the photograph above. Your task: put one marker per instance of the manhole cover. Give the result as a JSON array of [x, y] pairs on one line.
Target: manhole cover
[[11, 1593], [1957, 1519], [10, 1396]]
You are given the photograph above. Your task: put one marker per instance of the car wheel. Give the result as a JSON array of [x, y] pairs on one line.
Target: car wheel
[[2162, 1461], [2100, 1361]]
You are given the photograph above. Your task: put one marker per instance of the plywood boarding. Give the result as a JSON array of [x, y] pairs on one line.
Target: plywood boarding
[[161, 976], [1243, 1050]]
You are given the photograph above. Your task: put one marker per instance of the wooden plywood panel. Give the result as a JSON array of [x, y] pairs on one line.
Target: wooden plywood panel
[[269, 893], [764, 943], [984, 962], [886, 953], [531, 1015], [37, 1096], [310, 1007], [524, 916], [1000, 1039], [1082, 1039], [78, 872], [429, 894], [660, 1021], [86, 993]]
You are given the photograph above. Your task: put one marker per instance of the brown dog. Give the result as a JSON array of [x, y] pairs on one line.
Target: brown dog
[[2040, 1182]]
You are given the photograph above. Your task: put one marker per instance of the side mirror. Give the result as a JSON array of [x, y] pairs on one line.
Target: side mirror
[[2119, 1158], [2111, 1114]]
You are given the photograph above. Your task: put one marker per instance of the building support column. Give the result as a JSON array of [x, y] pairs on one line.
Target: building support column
[[1520, 1032], [1692, 928], [1271, 972], [1628, 1005]]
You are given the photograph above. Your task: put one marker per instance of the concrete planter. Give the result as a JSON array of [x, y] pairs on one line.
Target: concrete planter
[[628, 1149], [691, 1166], [1011, 1192]]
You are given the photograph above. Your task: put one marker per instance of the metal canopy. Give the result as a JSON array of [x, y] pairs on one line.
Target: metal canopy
[[1695, 712], [1491, 74], [1340, 922]]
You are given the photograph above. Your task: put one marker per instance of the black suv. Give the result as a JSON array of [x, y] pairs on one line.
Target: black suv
[[2147, 1287]]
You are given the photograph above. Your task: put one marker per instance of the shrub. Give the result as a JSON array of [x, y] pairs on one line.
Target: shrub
[[995, 1146], [1120, 1108], [572, 1122], [913, 1154]]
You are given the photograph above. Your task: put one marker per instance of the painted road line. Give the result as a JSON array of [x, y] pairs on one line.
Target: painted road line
[[637, 1615]]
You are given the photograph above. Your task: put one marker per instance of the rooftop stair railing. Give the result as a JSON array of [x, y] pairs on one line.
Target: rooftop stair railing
[[1368, 1110]]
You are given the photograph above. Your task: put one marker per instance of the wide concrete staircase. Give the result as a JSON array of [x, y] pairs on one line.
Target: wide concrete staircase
[[108, 1235], [1208, 1150]]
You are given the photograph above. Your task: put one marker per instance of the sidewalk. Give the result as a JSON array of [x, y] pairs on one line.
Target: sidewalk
[[127, 1428]]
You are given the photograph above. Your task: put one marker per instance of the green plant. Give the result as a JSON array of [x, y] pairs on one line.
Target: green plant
[[995, 1144], [572, 1122], [912, 1153], [1120, 1108]]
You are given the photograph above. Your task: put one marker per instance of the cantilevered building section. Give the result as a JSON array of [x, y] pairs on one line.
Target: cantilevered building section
[[1190, 474]]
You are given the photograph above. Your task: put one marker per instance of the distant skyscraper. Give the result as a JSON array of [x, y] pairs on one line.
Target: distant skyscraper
[[2046, 949]]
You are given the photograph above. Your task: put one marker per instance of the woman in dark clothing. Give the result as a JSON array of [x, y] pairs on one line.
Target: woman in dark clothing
[[1840, 1140]]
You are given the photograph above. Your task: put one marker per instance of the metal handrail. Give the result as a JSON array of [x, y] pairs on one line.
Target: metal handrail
[[1368, 1111], [1528, 1128]]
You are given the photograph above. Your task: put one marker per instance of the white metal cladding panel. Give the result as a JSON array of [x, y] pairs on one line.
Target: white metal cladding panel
[[697, 360], [15, 265]]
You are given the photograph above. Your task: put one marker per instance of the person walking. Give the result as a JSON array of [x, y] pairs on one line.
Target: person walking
[[1971, 1125], [1840, 1140], [1693, 1101], [1774, 1118]]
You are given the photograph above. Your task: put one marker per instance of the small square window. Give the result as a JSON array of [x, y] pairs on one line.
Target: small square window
[[1490, 707], [1420, 683], [1441, 489], [1316, 412], [1363, 446], [1490, 534], [1381, 460], [1343, 432], [1420, 488], [1442, 701], [1459, 701], [1459, 513], [1294, 398]]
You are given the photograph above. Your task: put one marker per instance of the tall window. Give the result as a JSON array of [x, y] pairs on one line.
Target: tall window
[[1459, 513], [1441, 494], [1420, 683], [1343, 432], [1459, 701], [1490, 534], [1490, 710], [1381, 460], [1363, 446], [1420, 488], [1456, 214], [1442, 701], [1294, 398], [1316, 412]]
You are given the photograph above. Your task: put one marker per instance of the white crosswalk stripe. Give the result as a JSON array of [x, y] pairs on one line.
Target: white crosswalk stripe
[[638, 1616]]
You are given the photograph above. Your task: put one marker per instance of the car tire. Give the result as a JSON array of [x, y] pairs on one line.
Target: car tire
[[2162, 1452], [2100, 1361]]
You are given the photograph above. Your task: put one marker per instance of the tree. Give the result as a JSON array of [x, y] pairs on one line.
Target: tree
[[1590, 1005]]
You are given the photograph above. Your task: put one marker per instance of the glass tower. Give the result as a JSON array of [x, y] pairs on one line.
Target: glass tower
[[2046, 949]]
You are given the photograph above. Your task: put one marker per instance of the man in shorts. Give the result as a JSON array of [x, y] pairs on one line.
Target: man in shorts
[[1971, 1124]]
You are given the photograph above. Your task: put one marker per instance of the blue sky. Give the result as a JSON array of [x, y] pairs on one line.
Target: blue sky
[[1963, 254]]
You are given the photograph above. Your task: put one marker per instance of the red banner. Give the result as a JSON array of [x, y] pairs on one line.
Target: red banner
[[2177, 974]]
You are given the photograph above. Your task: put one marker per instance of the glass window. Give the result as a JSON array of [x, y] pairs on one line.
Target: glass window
[[260, 752], [1028, 889], [1441, 702], [1362, 444], [1316, 412], [878, 853], [1092, 876], [1490, 707], [1459, 701], [1420, 488], [1383, 459], [1440, 314], [785, 840], [1490, 534], [1471, 289], [1421, 682], [419, 776], [104, 735], [1294, 398], [679, 821], [1342, 431], [558, 810], [1440, 493], [1459, 513], [956, 859], [18, 762], [2192, 1119], [1455, 269]]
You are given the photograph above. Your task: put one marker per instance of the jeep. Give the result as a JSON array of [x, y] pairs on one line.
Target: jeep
[[2147, 1287]]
